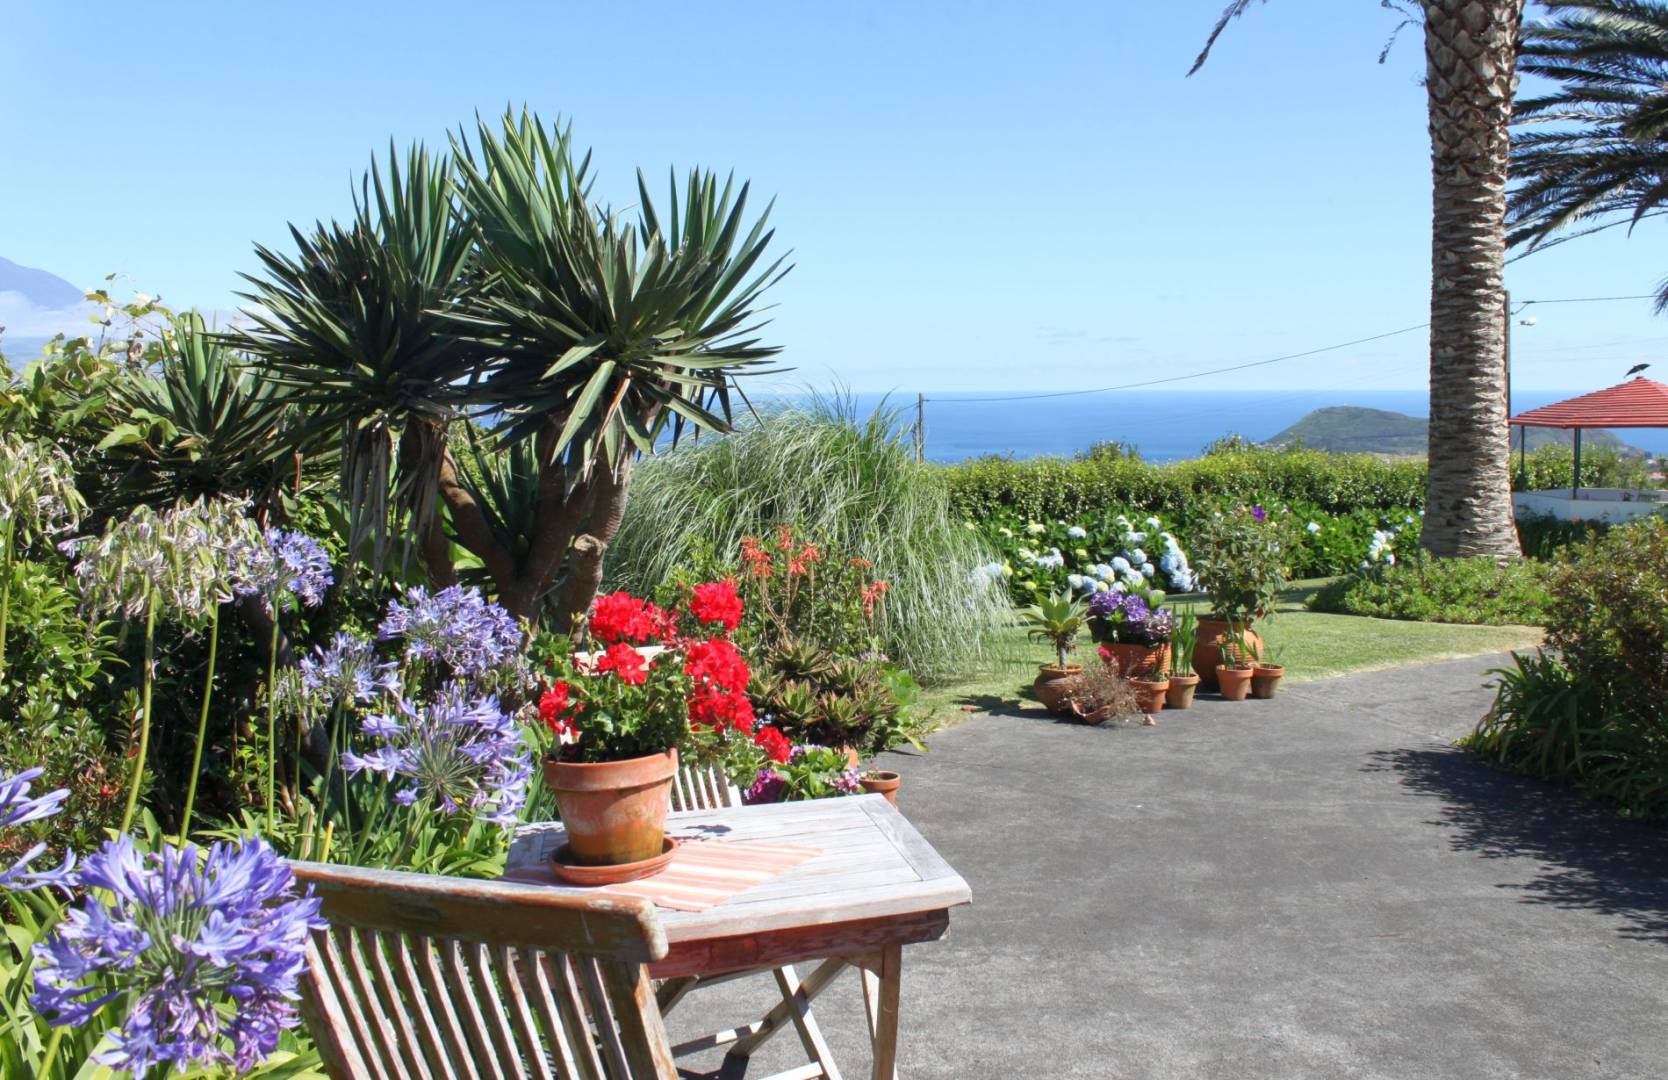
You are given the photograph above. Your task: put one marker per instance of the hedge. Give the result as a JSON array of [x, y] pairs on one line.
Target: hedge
[[1058, 488], [1052, 488]]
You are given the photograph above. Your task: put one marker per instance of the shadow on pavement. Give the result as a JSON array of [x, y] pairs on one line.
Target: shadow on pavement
[[1593, 859]]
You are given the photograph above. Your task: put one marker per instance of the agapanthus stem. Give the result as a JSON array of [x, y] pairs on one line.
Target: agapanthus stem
[[202, 722], [144, 713], [49, 1056], [6, 595], [272, 727]]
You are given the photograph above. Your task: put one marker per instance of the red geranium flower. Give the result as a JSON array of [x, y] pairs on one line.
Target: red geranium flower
[[717, 662], [717, 602], [623, 617], [775, 744], [626, 663], [718, 710], [554, 702]]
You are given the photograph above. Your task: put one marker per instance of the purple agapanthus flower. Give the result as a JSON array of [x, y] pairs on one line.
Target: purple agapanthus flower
[[1258, 514], [287, 568], [456, 626], [347, 672], [206, 949], [460, 752], [18, 808]]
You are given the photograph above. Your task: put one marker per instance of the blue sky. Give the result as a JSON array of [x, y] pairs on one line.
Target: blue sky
[[978, 196]]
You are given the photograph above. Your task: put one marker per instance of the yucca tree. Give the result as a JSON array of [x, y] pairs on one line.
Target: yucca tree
[[490, 286], [353, 328], [1470, 77], [1593, 153]]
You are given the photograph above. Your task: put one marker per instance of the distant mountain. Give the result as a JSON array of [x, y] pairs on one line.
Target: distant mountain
[[1351, 429], [40, 288]]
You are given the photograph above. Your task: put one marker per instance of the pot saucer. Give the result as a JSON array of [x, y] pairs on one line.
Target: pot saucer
[[563, 866]]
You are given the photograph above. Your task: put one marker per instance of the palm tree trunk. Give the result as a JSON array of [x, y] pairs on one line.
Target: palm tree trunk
[[1471, 55]]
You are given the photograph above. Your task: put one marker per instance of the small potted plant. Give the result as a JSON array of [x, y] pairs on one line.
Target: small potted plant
[[1240, 555], [616, 720], [1184, 681], [1151, 689], [1057, 620], [1234, 672], [1134, 628], [1268, 670], [805, 771], [1102, 694]]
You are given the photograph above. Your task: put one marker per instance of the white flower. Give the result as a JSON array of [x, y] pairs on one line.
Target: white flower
[[1390, 558], [1147, 569], [1076, 581], [1077, 532], [1102, 571], [1313, 527], [1036, 528], [1137, 556], [1120, 564], [1364, 564], [1153, 523]]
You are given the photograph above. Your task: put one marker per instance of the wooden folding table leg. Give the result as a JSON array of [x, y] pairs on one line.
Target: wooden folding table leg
[[773, 1021], [882, 980], [799, 1011]]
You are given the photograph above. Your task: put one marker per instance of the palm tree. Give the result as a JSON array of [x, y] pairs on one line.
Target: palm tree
[[1603, 161], [1470, 54]]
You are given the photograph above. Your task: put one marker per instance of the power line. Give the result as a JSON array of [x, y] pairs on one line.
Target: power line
[[1520, 305]]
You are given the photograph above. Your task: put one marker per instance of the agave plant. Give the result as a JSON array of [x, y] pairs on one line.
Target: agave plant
[[201, 424]]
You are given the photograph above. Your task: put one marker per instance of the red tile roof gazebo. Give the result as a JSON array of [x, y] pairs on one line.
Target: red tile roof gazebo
[[1639, 402]]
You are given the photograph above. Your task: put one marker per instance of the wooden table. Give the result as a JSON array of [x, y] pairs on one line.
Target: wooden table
[[876, 886]]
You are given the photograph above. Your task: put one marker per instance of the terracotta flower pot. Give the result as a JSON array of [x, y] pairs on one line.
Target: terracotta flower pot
[[614, 811], [883, 782], [1094, 718], [1182, 688], [1054, 686], [1234, 682], [1149, 695], [1265, 679], [1137, 661], [1207, 655]]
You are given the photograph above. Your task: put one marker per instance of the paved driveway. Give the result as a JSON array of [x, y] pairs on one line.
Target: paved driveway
[[1312, 887]]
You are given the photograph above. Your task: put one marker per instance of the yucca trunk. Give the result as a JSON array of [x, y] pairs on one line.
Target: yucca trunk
[[1471, 53]]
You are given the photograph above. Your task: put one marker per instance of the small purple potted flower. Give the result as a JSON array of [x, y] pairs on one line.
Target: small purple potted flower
[[1134, 631]]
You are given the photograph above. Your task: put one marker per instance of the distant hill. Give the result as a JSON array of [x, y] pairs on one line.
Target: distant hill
[[1351, 429], [40, 288]]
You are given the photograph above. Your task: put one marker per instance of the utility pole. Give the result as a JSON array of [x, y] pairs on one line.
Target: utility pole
[[920, 427]]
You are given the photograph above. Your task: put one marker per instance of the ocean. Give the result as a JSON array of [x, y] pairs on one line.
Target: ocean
[[1164, 425]]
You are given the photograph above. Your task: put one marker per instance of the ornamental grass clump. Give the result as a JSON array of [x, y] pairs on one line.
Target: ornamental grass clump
[[845, 483]]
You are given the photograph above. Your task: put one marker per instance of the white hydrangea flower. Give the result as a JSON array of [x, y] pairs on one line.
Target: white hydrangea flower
[[1120, 564], [1077, 532], [1313, 527]]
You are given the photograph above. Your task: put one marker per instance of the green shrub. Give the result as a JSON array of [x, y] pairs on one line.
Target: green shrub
[[851, 483], [1549, 467], [1543, 536], [1429, 589], [1050, 488], [1591, 710], [1548, 722], [1608, 616]]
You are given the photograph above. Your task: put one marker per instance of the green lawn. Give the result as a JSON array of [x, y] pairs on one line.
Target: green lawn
[[1314, 646]]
